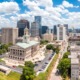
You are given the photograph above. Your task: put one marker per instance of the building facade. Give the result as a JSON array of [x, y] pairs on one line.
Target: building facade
[[9, 35], [67, 31], [21, 25], [38, 20], [48, 37], [75, 61], [21, 51], [61, 33], [34, 29], [55, 30], [44, 29]]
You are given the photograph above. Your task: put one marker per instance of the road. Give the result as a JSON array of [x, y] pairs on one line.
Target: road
[[15, 69], [54, 75], [3, 55]]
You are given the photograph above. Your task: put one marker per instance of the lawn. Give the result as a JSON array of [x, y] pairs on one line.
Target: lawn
[[1, 60], [10, 76]]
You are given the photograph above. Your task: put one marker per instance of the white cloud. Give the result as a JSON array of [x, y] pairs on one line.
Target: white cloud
[[9, 7], [68, 5], [50, 15]]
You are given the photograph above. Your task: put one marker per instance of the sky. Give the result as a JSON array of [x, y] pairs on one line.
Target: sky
[[52, 11]]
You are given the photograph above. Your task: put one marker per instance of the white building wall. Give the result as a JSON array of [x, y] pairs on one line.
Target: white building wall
[[75, 72], [61, 32]]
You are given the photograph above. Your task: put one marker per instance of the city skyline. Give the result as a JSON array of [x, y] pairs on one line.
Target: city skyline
[[52, 12]]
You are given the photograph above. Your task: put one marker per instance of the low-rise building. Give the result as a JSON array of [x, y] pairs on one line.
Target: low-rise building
[[4, 69], [19, 39], [48, 37], [75, 62]]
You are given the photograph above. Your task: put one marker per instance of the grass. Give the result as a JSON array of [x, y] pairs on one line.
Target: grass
[[2, 76], [46, 75], [10, 76], [1, 60], [67, 78], [51, 66]]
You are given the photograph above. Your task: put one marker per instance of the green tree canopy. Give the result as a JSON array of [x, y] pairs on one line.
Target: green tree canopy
[[57, 49], [28, 71], [29, 64], [63, 66], [66, 54], [49, 47], [44, 42]]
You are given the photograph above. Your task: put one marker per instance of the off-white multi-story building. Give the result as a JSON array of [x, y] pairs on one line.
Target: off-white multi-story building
[[21, 51], [48, 37], [61, 33], [9, 35], [75, 62]]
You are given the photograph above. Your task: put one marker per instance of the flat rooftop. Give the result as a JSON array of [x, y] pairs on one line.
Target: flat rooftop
[[4, 68], [26, 45], [75, 61], [74, 55]]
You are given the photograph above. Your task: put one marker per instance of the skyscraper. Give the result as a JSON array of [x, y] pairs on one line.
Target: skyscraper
[[55, 30], [38, 20], [66, 25], [34, 29], [61, 32], [22, 24], [9, 35], [44, 29]]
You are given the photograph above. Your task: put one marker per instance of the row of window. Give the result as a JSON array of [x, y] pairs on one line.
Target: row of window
[[17, 53], [16, 50], [16, 57]]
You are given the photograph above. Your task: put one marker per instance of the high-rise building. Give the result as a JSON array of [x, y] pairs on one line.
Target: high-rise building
[[38, 20], [55, 30], [22, 24], [66, 25], [34, 29], [61, 33], [9, 35], [44, 29]]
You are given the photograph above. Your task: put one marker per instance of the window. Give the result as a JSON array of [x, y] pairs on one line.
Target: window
[[20, 54]]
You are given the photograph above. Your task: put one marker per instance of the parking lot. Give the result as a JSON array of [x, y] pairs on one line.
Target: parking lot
[[40, 66]]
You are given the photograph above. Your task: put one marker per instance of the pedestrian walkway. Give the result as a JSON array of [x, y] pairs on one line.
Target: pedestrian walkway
[[54, 75]]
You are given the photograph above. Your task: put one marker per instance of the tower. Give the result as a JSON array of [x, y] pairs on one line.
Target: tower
[[26, 31], [61, 33], [38, 20], [26, 37]]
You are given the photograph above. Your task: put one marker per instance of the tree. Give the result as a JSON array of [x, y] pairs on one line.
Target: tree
[[66, 54], [29, 64], [10, 44], [49, 47], [28, 71], [57, 49], [1, 52], [63, 67], [43, 42]]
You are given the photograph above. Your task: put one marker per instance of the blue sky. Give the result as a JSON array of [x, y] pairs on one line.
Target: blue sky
[[52, 12]]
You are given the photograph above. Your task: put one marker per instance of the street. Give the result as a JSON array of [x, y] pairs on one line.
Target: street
[[54, 75]]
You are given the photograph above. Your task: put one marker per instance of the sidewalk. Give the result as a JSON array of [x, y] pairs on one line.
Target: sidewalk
[[54, 75]]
